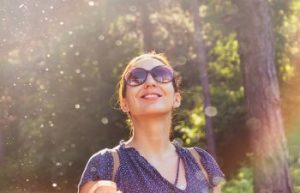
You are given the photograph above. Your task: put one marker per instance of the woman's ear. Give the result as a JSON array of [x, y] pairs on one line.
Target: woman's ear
[[124, 106], [177, 100]]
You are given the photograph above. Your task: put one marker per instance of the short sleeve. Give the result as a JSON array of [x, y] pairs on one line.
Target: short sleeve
[[212, 168], [98, 167]]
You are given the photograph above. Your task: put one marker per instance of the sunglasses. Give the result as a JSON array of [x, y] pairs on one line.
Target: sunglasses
[[138, 76]]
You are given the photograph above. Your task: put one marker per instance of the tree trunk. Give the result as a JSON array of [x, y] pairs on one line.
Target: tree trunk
[[202, 62], [267, 136], [146, 27]]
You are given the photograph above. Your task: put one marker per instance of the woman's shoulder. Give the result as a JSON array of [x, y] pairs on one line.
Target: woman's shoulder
[[186, 149], [105, 154], [211, 166], [205, 156], [102, 154], [98, 167], [208, 162]]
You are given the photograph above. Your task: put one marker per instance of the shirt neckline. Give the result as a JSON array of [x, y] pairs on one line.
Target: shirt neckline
[[143, 159]]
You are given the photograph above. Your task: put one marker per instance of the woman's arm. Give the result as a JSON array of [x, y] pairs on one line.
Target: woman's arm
[[99, 166], [85, 188], [102, 186]]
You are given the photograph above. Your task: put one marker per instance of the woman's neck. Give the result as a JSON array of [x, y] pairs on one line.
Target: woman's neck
[[151, 135]]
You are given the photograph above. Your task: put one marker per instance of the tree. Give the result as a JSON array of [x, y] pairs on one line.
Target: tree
[[6, 118], [146, 27], [267, 136], [202, 62]]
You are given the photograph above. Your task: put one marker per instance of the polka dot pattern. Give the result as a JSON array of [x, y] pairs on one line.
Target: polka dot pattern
[[135, 174]]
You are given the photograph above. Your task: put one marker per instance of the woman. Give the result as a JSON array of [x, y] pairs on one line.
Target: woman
[[149, 162]]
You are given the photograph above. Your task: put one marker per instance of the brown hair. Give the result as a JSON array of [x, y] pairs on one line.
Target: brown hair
[[160, 57]]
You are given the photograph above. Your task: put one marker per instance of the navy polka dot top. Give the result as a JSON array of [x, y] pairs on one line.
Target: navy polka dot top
[[135, 174]]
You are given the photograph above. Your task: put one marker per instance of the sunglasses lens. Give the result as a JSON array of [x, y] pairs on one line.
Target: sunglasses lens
[[162, 74], [136, 77], [139, 75]]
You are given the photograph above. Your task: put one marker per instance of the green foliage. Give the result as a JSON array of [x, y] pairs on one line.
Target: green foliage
[[286, 16], [192, 120], [294, 152], [241, 183], [60, 64], [295, 172]]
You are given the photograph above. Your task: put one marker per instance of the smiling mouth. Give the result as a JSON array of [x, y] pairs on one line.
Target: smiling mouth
[[151, 96]]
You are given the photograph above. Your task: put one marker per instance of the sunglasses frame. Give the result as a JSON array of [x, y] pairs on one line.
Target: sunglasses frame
[[149, 72]]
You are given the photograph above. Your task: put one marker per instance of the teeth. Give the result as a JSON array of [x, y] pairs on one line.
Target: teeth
[[151, 96]]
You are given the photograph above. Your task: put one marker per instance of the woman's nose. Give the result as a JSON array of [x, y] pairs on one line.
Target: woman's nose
[[150, 81]]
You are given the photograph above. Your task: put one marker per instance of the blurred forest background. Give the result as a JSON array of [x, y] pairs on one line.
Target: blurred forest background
[[60, 61]]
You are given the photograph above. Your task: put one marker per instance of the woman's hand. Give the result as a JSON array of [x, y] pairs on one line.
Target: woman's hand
[[217, 189], [104, 186]]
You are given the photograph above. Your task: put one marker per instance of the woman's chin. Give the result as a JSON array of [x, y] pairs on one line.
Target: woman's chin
[[153, 112]]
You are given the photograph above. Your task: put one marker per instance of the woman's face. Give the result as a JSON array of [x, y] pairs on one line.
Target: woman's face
[[152, 97]]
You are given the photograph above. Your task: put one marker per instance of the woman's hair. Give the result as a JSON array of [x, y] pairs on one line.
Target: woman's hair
[[160, 57]]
